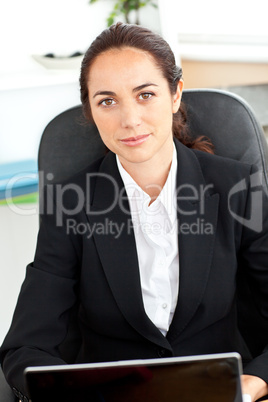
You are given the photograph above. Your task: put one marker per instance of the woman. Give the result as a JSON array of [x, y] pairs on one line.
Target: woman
[[119, 237]]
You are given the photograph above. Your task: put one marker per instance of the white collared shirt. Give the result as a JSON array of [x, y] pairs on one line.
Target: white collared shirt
[[156, 235]]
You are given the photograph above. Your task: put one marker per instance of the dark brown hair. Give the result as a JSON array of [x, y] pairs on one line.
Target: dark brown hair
[[127, 35]]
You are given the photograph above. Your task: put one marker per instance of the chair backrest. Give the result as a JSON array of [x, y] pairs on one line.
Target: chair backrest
[[231, 125], [68, 145]]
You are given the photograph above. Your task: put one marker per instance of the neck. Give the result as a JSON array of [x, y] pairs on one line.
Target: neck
[[151, 175]]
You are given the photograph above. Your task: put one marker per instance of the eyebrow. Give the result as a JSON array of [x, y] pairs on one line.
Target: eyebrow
[[111, 93], [147, 84]]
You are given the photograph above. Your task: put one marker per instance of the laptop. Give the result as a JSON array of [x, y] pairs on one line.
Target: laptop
[[205, 378]]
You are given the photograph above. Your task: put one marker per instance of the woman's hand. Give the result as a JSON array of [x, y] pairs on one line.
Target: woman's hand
[[254, 386]]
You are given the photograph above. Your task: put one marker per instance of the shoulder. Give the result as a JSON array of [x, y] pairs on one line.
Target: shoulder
[[221, 169], [73, 191], [220, 172], [80, 177], [206, 159]]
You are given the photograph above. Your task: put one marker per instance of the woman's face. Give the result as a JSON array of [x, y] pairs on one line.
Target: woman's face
[[132, 106]]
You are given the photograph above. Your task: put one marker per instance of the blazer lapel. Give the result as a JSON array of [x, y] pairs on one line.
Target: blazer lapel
[[197, 221], [117, 248]]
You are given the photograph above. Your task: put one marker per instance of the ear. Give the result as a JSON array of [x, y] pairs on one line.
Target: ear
[[177, 97]]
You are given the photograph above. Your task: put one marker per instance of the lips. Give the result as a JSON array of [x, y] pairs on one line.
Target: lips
[[133, 141]]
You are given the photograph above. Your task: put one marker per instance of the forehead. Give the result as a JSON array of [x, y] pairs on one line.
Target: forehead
[[124, 63]]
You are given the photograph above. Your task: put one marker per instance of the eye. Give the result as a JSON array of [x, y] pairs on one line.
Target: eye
[[146, 95], [107, 102]]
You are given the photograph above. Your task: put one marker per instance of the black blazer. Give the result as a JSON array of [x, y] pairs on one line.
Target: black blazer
[[81, 256]]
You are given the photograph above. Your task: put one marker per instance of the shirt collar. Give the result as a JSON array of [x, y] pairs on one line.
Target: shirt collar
[[168, 193]]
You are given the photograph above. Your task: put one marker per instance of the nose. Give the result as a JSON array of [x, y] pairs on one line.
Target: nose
[[130, 116]]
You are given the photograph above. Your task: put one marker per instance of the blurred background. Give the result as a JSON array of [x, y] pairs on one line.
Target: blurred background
[[218, 44]]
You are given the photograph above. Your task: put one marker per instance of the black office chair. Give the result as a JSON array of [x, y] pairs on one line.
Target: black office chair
[[68, 145]]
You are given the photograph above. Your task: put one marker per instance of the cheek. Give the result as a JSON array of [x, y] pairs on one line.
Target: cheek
[[107, 129], [164, 117], [102, 122]]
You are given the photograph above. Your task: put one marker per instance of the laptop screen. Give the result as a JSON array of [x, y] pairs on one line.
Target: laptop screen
[[206, 378]]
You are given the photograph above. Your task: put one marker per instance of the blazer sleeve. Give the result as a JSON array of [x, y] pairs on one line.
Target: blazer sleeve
[[253, 258], [47, 294]]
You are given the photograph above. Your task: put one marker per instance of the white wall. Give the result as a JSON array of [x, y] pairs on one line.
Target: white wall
[[58, 26], [44, 26], [64, 26], [26, 112], [30, 95], [39, 27], [230, 17]]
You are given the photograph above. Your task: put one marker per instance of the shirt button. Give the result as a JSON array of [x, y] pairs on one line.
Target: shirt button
[[164, 305], [147, 230]]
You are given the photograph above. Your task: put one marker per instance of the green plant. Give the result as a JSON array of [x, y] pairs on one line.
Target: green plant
[[124, 7]]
